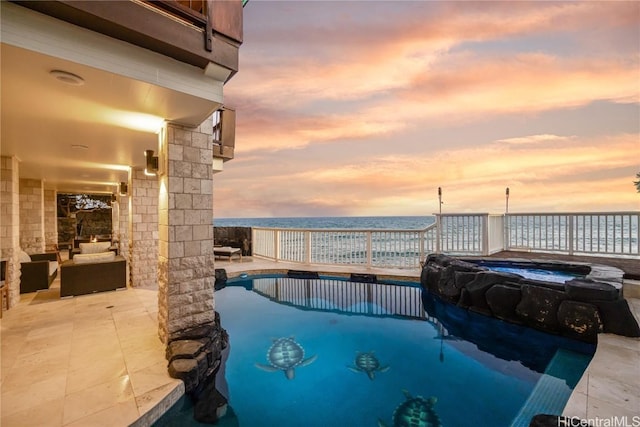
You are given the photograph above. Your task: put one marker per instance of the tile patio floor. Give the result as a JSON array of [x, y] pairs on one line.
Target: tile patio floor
[[96, 360]]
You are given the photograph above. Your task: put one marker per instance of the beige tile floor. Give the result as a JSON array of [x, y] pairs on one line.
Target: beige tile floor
[[96, 360], [93, 360]]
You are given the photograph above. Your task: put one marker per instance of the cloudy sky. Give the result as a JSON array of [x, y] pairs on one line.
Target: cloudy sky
[[366, 108]]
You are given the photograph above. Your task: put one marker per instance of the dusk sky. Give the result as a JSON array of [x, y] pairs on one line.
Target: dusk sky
[[366, 108]]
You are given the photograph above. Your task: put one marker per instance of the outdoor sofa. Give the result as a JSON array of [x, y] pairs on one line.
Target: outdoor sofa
[[227, 251], [93, 272], [37, 271]]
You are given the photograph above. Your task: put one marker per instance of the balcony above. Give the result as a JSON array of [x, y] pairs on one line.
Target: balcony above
[[206, 34]]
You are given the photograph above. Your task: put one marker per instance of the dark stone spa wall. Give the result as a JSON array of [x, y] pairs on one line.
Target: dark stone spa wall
[[578, 308]]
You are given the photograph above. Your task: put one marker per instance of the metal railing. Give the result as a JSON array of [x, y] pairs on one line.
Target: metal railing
[[598, 234]]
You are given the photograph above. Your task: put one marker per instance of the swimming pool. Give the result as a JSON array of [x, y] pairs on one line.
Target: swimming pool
[[357, 351]]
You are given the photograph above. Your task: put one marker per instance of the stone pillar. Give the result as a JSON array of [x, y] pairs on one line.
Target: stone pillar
[[144, 232], [31, 216], [10, 224], [124, 221], [187, 275], [50, 219]]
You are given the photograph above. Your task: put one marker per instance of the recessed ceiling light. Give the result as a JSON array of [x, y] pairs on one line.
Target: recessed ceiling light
[[79, 147], [67, 77]]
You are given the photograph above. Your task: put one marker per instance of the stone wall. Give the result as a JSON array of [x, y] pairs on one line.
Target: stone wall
[[50, 219], [236, 237], [66, 230], [94, 223], [578, 308], [10, 224], [124, 229], [144, 230], [31, 216]]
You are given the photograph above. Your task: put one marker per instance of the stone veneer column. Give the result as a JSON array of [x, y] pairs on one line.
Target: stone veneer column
[[50, 219], [144, 234], [31, 216], [187, 275], [124, 229], [10, 224]]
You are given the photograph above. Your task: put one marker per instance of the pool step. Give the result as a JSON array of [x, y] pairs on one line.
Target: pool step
[[550, 394]]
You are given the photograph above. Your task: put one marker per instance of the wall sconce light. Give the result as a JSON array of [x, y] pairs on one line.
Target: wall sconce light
[[151, 168], [124, 188]]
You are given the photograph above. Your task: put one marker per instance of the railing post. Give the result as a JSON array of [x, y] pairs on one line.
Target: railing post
[[369, 249], [484, 250], [423, 235], [505, 230], [307, 237], [438, 233], [276, 245], [570, 243]]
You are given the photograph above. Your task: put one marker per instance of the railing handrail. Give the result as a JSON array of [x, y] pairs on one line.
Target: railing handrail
[[573, 213], [353, 230]]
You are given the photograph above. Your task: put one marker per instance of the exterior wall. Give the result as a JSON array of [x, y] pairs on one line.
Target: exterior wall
[[144, 231], [10, 224], [50, 219], [187, 274], [31, 216]]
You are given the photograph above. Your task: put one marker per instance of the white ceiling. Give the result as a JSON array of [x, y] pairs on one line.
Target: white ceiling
[[42, 118]]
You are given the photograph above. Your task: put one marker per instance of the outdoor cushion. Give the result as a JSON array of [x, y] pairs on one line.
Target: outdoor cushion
[[94, 248], [24, 257], [53, 266], [91, 258]]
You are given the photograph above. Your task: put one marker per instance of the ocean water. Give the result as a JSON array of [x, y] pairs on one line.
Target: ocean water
[[339, 222]]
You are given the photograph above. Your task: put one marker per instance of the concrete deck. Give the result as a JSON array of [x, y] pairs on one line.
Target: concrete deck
[[96, 360]]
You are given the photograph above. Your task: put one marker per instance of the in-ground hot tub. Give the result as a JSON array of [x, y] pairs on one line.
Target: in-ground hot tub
[[589, 301]]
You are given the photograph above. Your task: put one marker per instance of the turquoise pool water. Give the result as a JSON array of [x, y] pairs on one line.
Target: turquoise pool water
[[479, 371]]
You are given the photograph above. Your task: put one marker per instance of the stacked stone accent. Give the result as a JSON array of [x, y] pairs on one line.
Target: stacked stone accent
[[578, 308], [144, 237], [31, 216], [50, 219], [186, 270], [10, 224], [195, 357]]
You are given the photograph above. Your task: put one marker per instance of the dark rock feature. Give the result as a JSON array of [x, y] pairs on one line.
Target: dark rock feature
[[236, 237], [503, 300], [211, 408], [579, 319], [194, 356], [539, 283], [539, 307], [579, 308], [617, 318], [481, 284], [221, 278], [590, 290], [430, 277]]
